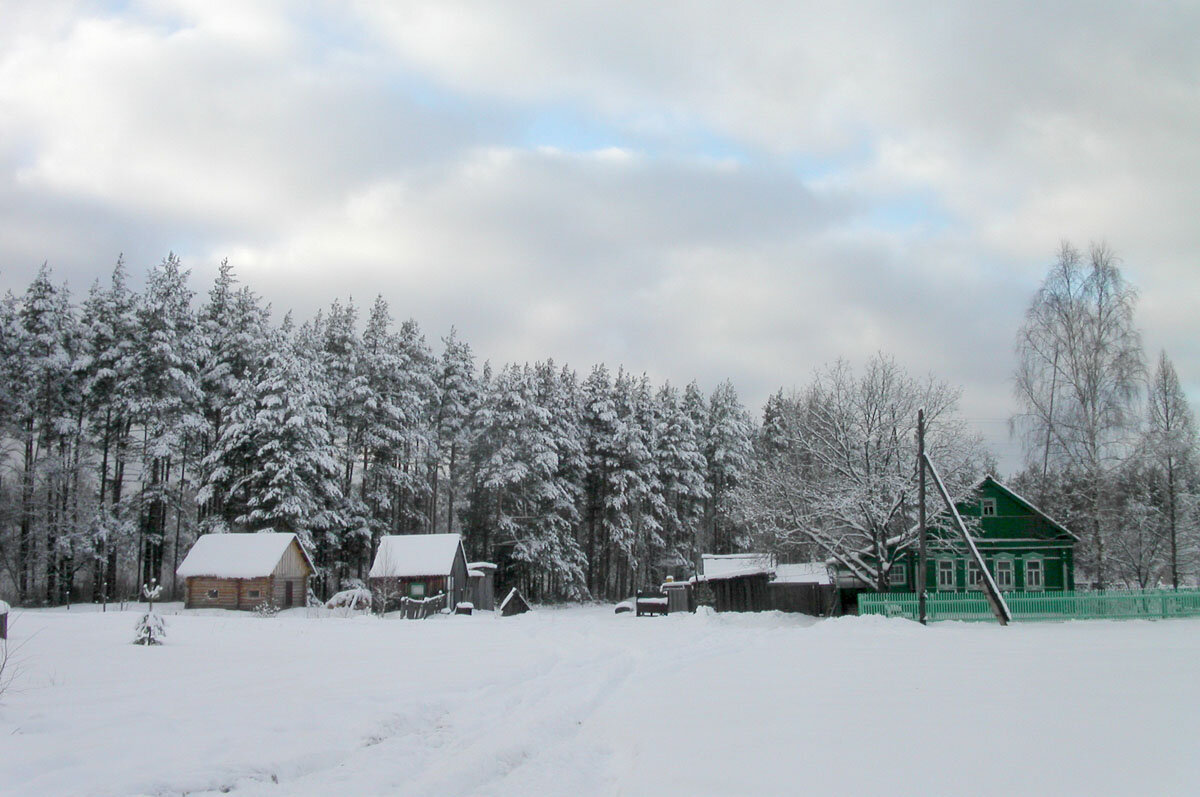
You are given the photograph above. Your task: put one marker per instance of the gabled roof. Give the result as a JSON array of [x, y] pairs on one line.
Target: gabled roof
[[714, 567], [1028, 505], [239, 555], [411, 555]]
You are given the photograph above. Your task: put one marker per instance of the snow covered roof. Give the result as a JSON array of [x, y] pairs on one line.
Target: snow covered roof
[[803, 573], [480, 566], [718, 566], [475, 573], [245, 555], [409, 555]]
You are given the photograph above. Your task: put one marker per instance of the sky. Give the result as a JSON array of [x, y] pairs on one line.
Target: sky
[[691, 190]]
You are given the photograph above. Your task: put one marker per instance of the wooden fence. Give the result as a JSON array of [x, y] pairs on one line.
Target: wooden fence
[[420, 608], [1070, 605]]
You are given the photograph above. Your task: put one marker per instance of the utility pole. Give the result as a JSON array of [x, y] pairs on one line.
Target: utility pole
[[920, 576]]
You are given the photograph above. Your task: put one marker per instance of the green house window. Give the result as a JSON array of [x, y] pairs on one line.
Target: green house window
[[897, 577], [987, 507], [945, 575], [416, 589], [1034, 575], [1004, 573]]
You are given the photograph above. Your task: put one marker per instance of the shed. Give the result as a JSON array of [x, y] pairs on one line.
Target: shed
[[805, 587], [513, 603], [739, 582], [245, 571], [483, 584], [420, 566]]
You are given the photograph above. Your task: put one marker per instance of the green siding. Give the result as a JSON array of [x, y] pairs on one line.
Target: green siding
[[1016, 531]]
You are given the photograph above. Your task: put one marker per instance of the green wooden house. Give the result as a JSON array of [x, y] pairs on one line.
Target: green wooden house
[[1024, 548]]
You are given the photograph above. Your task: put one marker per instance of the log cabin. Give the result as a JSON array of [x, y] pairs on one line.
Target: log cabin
[[245, 571]]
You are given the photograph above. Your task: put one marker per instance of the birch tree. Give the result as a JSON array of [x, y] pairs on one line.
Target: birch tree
[[1079, 375], [1171, 438]]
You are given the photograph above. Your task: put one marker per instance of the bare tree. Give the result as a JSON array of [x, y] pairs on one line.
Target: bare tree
[[1079, 376], [1171, 439], [838, 479]]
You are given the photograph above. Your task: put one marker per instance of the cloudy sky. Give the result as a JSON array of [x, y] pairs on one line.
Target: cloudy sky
[[694, 190]]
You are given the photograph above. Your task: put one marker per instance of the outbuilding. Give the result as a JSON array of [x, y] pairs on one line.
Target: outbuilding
[[246, 571], [420, 566], [739, 582], [483, 584]]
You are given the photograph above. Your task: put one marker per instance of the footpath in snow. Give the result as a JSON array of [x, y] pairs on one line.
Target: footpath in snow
[[581, 701]]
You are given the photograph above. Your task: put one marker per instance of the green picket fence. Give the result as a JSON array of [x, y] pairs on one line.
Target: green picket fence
[[1072, 605]]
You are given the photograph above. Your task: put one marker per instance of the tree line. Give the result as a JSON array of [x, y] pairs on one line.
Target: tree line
[[131, 422], [134, 421]]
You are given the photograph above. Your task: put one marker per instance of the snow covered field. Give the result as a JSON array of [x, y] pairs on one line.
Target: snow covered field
[[582, 701]]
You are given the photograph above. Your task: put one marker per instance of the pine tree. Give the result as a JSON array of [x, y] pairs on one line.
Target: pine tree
[[727, 450]]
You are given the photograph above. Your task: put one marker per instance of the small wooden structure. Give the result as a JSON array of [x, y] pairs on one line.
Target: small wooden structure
[[804, 587], [514, 603], [739, 582], [418, 567], [681, 596], [650, 602], [483, 585], [246, 571]]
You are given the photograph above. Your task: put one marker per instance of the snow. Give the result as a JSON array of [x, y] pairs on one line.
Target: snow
[[353, 598], [585, 702], [4, 608], [803, 573], [481, 566], [235, 555], [475, 573], [718, 566], [408, 555]]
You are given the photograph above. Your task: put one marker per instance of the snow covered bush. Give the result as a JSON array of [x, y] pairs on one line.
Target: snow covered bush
[[151, 629], [266, 609], [353, 598]]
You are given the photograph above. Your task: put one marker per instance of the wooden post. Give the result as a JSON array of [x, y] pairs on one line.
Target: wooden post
[[999, 605], [921, 553]]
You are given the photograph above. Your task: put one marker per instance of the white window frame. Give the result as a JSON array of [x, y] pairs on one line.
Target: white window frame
[[413, 591], [973, 570], [897, 576], [253, 593], [1012, 574], [953, 587], [985, 504], [1041, 570]]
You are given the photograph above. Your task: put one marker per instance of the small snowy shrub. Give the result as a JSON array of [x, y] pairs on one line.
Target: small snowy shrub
[[266, 609], [151, 629], [355, 598]]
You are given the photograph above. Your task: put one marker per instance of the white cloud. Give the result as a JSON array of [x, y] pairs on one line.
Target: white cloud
[[392, 148]]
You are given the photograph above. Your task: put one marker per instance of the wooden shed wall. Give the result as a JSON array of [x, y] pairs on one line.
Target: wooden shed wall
[[819, 600], [483, 591], [742, 594]]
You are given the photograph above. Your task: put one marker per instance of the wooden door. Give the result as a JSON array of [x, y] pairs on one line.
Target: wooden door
[[287, 594]]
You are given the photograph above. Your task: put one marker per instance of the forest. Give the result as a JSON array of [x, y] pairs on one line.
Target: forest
[[132, 421]]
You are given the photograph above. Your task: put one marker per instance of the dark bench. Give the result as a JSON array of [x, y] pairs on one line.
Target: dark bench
[[651, 602]]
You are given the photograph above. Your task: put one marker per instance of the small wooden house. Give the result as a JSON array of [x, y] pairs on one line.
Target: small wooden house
[[739, 582], [245, 571], [420, 566], [513, 603], [483, 584]]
